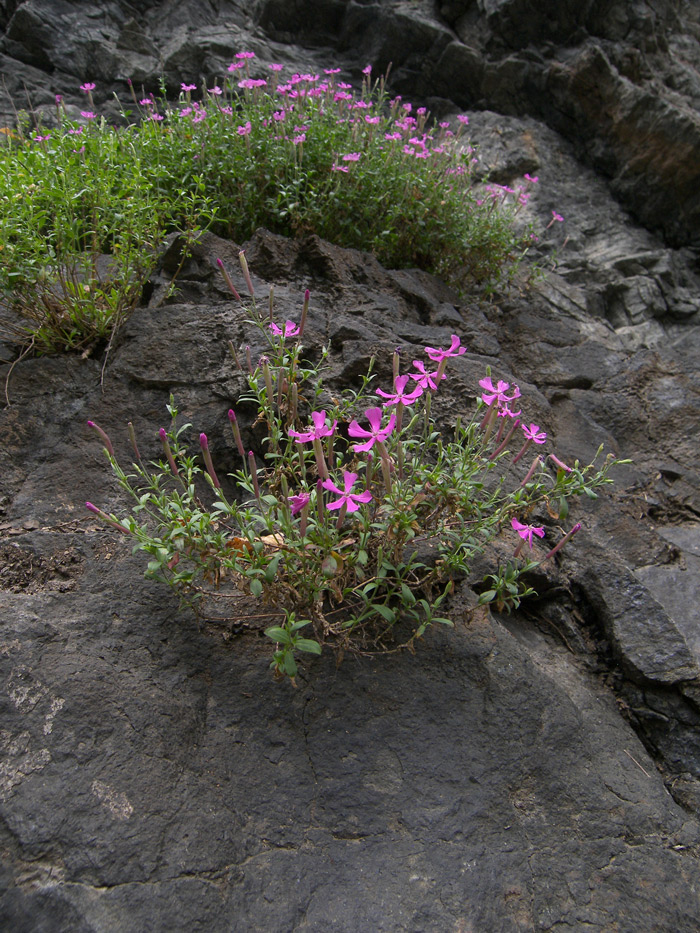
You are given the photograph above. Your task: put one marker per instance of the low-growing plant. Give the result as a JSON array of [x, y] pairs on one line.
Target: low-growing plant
[[80, 226], [361, 515], [85, 206]]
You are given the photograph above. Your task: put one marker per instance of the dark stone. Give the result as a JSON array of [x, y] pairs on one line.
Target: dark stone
[[646, 641], [510, 774]]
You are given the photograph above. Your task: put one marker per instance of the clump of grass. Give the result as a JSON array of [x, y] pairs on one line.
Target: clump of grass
[[80, 225], [85, 206]]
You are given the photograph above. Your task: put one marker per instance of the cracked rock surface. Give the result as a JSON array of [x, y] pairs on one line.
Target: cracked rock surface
[[537, 771]]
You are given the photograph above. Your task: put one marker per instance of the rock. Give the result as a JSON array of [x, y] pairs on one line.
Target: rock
[[209, 800], [645, 639], [153, 776], [675, 586]]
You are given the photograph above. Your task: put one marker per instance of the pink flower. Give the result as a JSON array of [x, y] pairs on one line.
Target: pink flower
[[425, 379], [274, 66], [245, 129], [376, 432], [373, 120], [88, 114], [533, 179], [188, 87], [250, 83], [400, 397], [234, 66], [299, 501], [350, 500], [463, 119], [216, 90], [351, 157], [339, 168], [497, 392], [367, 70], [155, 116], [290, 329], [301, 138], [557, 217], [527, 531], [331, 71], [437, 355], [533, 433], [146, 102], [90, 86], [245, 54], [320, 429]]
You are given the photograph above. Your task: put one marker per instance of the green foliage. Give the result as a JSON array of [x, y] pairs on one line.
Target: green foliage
[[85, 206], [377, 544], [79, 229]]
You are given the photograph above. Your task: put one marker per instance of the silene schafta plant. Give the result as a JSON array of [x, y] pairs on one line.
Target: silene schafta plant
[[359, 516], [85, 206]]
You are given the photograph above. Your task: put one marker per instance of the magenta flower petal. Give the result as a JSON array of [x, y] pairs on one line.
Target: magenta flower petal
[[298, 501], [376, 432], [437, 354], [533, 433], [527, 531], [349, 499], [320, 429]]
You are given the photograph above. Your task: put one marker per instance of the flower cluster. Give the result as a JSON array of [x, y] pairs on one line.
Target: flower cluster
[[332, 522]]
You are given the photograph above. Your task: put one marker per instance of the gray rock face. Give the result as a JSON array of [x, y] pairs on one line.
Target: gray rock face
[[539, 771], [153, 774]]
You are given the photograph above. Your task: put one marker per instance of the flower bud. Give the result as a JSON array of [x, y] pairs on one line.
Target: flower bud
[[204, 444], [168, 452], [104, 436], [228, 281]]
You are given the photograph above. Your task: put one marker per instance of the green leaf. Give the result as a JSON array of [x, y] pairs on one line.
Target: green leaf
[[271, 569], [385, 612], [256, 588], [407, 596], [308, 645], [329, 567], [278, 634], [487, 597]]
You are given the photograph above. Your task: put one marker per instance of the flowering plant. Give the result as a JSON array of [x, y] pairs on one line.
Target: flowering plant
[[84, 205], [361, 517]]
